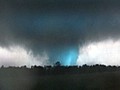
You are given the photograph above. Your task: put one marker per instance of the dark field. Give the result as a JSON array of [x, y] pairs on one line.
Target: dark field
[[94, 81], [32, 79]]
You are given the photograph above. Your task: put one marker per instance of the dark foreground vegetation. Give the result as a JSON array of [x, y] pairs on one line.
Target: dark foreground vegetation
[[96, 77]]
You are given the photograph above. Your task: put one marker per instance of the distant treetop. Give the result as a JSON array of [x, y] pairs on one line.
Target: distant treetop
[[57, 64]]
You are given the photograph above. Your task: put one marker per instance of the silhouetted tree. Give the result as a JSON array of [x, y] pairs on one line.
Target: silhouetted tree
[[57, 64]]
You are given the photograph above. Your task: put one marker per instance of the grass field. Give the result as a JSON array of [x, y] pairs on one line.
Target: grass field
[[25, 80]]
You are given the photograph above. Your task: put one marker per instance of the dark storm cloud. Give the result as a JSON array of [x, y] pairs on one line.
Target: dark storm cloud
[[56, 5], [57, 25]]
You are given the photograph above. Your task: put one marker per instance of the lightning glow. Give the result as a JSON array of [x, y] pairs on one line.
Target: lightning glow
[[70, 57], [103, 52]]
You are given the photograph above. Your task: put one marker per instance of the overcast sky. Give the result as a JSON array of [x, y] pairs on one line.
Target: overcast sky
[[55, 30]]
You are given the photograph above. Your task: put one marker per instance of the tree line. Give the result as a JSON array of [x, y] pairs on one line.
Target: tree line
[[57, 68]]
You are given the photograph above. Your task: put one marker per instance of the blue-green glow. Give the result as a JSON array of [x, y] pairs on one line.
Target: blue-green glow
[[69, 57]]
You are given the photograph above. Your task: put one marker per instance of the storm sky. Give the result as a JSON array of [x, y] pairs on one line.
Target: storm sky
[[41, 32]]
